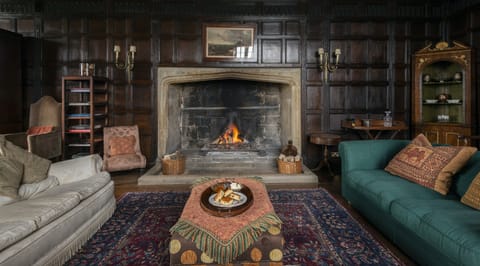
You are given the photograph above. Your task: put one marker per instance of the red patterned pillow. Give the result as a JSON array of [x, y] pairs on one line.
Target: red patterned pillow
[[431, 167], [421, 140], [37, 130], [122, 145]]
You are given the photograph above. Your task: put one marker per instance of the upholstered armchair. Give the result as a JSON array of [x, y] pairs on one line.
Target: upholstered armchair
[[121, 149], [44, 136]]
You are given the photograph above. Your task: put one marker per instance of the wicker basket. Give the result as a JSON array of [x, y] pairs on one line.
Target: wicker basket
[[173, 167], [289, 167]]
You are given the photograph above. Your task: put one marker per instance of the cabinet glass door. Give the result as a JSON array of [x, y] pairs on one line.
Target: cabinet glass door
[[443, 93]]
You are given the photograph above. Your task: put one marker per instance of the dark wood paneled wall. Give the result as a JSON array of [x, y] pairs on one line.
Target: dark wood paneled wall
[[465, 27], [377, 39], [11, 94]]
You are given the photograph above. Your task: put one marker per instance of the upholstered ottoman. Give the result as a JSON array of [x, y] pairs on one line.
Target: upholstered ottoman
[[253, 237]]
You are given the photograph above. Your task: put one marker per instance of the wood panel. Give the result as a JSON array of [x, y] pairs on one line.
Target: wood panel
[[376, 38], [314, 98], [11, 93], [293, 51], [271, 51]]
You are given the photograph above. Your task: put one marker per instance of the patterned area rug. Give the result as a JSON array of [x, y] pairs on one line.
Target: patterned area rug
[[317, 231]]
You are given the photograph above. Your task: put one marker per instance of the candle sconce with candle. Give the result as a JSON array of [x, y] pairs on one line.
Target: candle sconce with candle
[[129, 62], [324, 62]]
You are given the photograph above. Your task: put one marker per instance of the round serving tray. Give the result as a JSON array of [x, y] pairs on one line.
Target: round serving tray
[[226, 211]]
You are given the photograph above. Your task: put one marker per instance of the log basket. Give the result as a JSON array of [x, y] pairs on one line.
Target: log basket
[[289, 167], [173, 166]]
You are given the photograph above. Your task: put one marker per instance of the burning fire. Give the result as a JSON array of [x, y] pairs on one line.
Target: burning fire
[[230, 136]]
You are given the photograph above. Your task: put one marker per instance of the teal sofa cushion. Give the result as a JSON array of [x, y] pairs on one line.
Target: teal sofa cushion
[[384, 188], [431, 228], [368, 154], [448, 225]]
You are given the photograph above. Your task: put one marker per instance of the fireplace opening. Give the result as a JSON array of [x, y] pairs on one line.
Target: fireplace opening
[[227, 115]]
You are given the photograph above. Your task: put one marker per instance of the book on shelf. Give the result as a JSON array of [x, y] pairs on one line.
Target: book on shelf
[[79, 90], [82, 128], [84, 115], [78, 115], [79, 130], [79, 104], [79, 145]]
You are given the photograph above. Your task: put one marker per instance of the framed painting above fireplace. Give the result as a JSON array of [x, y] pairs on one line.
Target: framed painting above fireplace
[[229, 42]]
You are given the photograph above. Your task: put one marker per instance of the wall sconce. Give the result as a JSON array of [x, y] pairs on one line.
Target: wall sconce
[[324, 62], [129, 62]]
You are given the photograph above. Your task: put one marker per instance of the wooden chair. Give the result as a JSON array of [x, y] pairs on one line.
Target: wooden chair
[[121, 149], [44, 136]]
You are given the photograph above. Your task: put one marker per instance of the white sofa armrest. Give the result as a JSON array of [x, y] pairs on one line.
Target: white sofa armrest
[[73, 170]]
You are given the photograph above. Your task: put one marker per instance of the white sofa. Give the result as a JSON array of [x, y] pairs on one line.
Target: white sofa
[[49, 226]]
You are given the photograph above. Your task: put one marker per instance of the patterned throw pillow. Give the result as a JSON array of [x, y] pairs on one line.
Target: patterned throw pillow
[[421, 140], [472, 196], [122, 145], [35, 168], [11, 173], [431, 167]]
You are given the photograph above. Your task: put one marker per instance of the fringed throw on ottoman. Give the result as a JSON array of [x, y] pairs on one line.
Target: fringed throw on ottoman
[[253, 236]]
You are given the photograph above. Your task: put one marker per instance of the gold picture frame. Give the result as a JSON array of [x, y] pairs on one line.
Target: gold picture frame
[[232, 42]]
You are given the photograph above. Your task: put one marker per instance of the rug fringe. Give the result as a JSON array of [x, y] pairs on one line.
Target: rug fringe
[[201, 181], [225, 252]]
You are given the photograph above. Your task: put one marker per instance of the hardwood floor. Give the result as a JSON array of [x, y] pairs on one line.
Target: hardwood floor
[[127, 182]]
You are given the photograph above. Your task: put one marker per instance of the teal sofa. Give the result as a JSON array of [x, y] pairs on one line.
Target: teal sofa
[[430, 228]]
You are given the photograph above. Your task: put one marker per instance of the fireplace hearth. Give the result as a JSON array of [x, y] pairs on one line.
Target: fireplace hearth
[[227, 122]]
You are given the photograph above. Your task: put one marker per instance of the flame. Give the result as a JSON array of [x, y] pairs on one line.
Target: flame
[[231, 135]]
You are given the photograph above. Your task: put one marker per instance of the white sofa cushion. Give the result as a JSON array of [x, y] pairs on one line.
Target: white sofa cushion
[[40, 212], [83, 188], [23, 218], [45, 207], [76, 169], [54, 243], [27, 191], [13, 231]]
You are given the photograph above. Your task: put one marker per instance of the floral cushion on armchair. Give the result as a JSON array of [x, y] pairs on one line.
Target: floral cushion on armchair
[[122, 145]]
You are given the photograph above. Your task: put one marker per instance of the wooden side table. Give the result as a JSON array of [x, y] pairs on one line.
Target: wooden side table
[[325, 140], [375, 129]]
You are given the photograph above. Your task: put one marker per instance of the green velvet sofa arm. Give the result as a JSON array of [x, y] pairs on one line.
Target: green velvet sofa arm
[[368, 154]]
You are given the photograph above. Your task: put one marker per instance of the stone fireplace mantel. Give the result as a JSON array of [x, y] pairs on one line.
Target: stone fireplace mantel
[[288, 82], [289, 78]]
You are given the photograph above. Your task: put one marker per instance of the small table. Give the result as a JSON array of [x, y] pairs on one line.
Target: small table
[[253, 237], [325, 140], [376, 128]]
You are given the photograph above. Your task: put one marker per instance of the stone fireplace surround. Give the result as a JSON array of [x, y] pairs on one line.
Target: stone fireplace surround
[[290, 117]]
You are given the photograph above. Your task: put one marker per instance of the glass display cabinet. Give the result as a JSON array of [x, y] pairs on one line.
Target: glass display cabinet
[[442, 93]]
